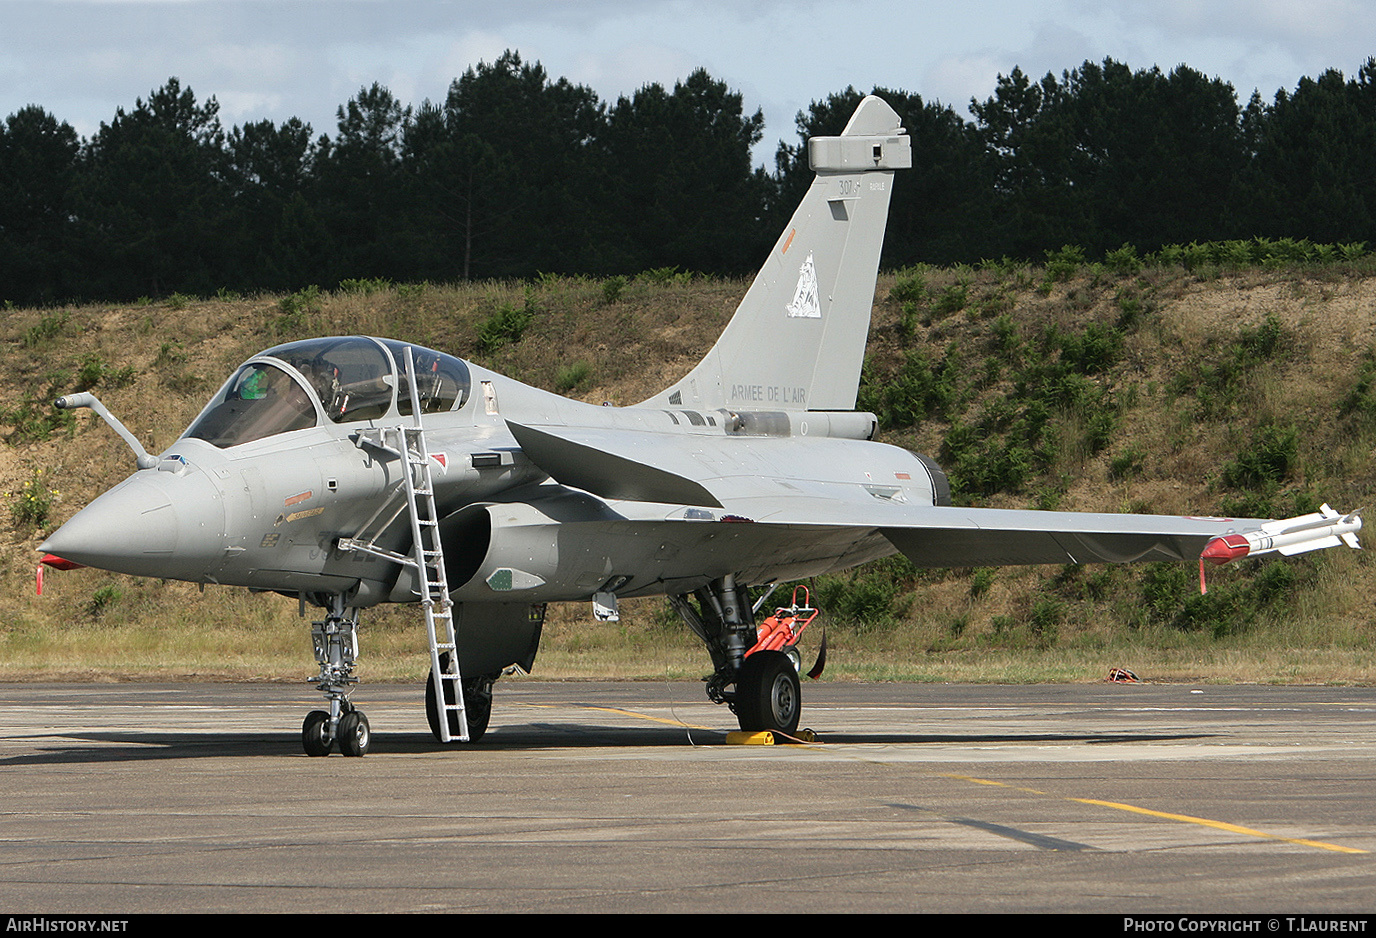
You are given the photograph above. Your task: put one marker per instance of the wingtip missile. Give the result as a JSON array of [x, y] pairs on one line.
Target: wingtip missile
[[1323, 528]]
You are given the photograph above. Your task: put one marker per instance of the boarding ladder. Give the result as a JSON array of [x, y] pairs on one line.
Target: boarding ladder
[[426, 558]]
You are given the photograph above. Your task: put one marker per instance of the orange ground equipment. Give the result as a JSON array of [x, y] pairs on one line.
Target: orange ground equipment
[[780, 631]]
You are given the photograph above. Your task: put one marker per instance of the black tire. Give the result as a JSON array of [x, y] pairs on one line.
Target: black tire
[[477, 704], [315, 733], [354, 734], [768, 694]]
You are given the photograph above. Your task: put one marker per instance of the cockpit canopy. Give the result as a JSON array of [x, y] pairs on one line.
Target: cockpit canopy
[[342, 380]]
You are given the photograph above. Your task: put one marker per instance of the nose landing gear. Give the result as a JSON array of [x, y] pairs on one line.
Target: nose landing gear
[[351, 732], [336, 648]]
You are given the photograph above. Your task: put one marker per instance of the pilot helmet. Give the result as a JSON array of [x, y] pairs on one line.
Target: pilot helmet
[[254, 388]]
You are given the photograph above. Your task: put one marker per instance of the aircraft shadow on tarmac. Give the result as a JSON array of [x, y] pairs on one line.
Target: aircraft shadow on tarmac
[[135, 746]]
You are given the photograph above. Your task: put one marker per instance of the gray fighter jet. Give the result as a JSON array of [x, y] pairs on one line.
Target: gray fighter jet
[[353, 471]]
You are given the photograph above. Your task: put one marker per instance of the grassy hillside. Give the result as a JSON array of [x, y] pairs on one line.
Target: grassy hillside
[[1162, 389]]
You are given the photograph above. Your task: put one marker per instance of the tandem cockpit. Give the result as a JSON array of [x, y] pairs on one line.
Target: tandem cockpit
[[332, 380]]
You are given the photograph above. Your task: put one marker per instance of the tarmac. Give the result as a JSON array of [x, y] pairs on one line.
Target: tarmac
[[1136, 799]]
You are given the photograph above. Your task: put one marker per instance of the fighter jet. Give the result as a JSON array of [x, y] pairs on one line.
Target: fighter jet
[[352, 471]]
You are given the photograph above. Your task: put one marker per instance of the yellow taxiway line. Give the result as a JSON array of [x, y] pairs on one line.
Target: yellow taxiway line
[[1116, 805], [1166, 815]]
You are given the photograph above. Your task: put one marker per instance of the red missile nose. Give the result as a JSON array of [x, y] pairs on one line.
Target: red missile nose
[[57, 563], [1220, 550]]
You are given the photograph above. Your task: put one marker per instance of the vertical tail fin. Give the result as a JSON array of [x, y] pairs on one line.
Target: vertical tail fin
[[797, 340]]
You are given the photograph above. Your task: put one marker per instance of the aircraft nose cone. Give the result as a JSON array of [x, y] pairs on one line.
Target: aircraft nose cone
[[151, 524]]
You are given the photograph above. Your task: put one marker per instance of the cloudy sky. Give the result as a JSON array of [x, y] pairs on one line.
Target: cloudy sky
[[282, 58]]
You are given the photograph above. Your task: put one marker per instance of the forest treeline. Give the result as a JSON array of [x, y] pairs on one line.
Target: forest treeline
[[516, 173]]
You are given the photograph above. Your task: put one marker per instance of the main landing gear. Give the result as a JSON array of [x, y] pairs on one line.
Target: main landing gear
[[763, 689], [336, 648], [768, 693], [477, 703]]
